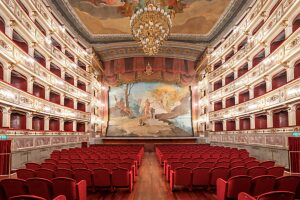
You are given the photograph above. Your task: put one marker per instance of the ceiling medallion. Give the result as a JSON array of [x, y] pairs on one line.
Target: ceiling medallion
[[151, 26]]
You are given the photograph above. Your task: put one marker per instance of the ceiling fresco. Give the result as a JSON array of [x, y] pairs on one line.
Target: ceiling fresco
[[112, 16]]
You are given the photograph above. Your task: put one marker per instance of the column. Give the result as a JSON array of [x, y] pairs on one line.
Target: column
[[235, 73], [224, 125], [237, 123], [88, 107], [290, 72], [270, 119], [75, 101], [61, 124], [6, 111], [268, 83], [75, 80], [252, 121], [29, 120], [31, 48], [86, 126], [223, 103], [46, 123], [48, 62], [76, 59], [292, 115], [9, 27], [47, 92], [30, 81], [74, 125], [251, 92], [63, 48], [223, 81], [212, 125], [63, 71], [236, 98], [288, 30], [62, 99], [267, 48], [7, 72]]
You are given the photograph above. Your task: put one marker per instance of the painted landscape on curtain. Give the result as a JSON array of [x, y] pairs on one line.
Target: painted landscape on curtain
[[150, 110]]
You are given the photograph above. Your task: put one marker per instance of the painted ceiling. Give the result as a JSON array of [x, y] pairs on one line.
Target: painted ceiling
[[112, 16]]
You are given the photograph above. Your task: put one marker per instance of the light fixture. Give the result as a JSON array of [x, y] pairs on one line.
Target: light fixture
[[151, 26]]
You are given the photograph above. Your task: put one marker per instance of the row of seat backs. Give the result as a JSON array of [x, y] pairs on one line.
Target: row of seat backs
[[274, 195], [256, 186], [44, 188], [97, 177], [34, 197]]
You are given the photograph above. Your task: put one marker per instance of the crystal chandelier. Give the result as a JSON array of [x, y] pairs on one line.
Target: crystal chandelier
[[151, 26]]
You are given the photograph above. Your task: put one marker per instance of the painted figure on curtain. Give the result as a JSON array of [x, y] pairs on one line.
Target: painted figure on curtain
[[150, 110]]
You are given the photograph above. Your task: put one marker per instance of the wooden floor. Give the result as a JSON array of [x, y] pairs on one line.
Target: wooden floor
[[151, 185]]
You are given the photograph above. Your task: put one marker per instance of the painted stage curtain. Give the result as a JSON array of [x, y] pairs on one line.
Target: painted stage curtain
[[4, 156], [294, 145]]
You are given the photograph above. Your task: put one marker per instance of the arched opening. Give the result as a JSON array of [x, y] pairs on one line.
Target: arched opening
[[230, 101], [242, 44], [217, 65], [258, 58], [298, 115], [260, 89], [54, 97], [229, 78], [217, 85], [54, 124], [297, 69], [38, 90], [69, 55], [80, 127], [229, 55], [245, 123], [17, 120], [218, 105], [277, 41], [2, 25], [55, 70], [69, 78], [244, 96], [242, 70], [218, 126], [81, 85], [230, 125], [279, 80], [23, 7], [20, 41], [38, 57], [40, 27], [81, 65], [18, 80], [68, 126], [296, 23], [81, 106], [68, 102], [261, 122], [258, 27], [280, 118], [1, 72], [38, 123], [56, 44]]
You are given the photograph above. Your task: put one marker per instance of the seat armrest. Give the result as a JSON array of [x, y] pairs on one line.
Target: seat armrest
[[245, 196], [130, 181], [81, 190], [165, 166], [221, 189], [172, 180], [60, 197], [167, 172]]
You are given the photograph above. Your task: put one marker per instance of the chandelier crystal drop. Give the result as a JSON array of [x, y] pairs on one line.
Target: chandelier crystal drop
[[151, 26]]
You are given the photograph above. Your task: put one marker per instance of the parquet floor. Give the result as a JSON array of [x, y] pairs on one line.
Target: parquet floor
[[151, 185]]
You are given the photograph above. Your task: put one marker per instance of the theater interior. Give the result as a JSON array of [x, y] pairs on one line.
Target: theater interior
[[149, 99]]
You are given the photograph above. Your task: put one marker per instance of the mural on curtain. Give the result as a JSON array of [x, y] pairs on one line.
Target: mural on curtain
[[150, 110]]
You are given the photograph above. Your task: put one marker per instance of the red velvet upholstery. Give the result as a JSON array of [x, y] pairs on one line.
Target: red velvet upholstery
[[181, 176], [217, 172], [267, 164], [245, 196], [84, 174], [274, 195], [13, 187], [69, 188], [256, 171], [44, 173], [78, 166], [122, 178], [262, 184], [25, 173], [32, 166], [172, 166], [50, 166], [27, 197], [231, 188], [64, 165], [102, 177], [62, 172], [287, 183], [191, 165], [237, 164], [109, 165], [200, 176], [275, 171], [40, 187], [252, 164], [93, 166], [207, 164], [237, 171], [222, 164], [129, 166]]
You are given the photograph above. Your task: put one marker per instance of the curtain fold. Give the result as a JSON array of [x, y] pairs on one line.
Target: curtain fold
[[5, 149], [294, 145]]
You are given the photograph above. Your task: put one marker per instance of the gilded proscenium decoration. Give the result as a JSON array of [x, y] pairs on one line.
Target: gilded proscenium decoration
[[151, 26]]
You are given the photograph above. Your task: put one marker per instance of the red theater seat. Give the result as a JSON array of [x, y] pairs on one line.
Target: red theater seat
[[275, 171], [237, 164], [64, 165], [207, 164], [69, 188], [67, 173], [256, 171], [237, 171], [50, 166], [45, 173], [253, 163], [181, 176], [102, 178], [32, 166], [40, 187], [231, 188], [122, 178], [267, 164], [217, 172], [84, 174], [287, 183], [191, 165], [13, 187], [274, 195], [78, 166], [26, 197], [200, 176], [93, 166], [262, 184], [25, 173]]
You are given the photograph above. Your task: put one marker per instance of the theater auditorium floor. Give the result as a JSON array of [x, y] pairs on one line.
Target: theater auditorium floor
[[151, 185]]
